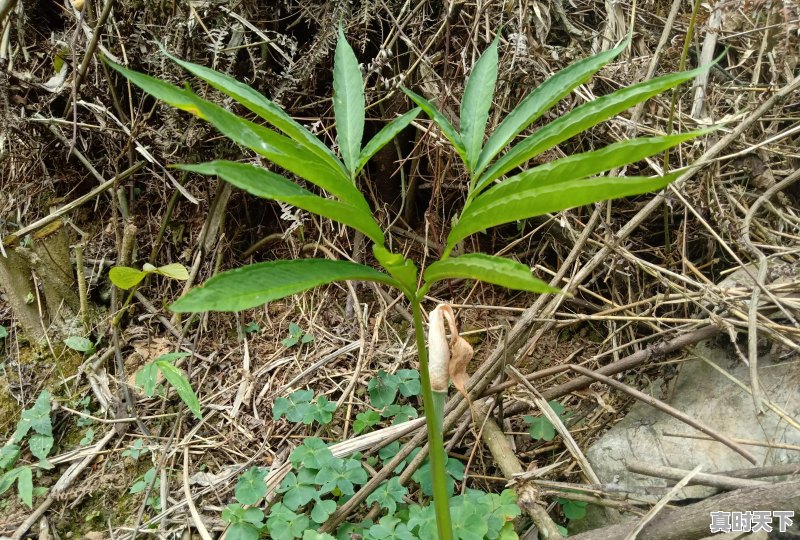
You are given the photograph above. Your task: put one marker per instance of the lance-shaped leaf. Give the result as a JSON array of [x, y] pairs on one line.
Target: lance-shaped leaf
[[277, 148], [348, 103], [440, 120], [269, 185], [580, 119], [261, 106], [541, 99], [385, 135], [282, 151], [587, 164], [549, 196], [259, 283], [476, 102], [181, 383], [488, 268]]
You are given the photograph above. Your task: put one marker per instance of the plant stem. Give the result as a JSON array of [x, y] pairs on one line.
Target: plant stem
[[441, 503]]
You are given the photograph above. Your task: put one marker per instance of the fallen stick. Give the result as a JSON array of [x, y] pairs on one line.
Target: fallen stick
[[703, 479]]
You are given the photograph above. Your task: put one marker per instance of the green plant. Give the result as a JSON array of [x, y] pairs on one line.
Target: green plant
[[491, 201], [540, 428], [151, 481], [126, 277], [296, 335], [80, 344], [301, 406], [147, 378], [573, 509], [40, 442]]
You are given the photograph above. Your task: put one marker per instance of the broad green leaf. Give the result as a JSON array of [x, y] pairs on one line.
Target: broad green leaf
[[440, 120], [181, 383], [385, 135], [9, 453], [260, 105], [348, 103], [36, 418], [580, 119], [550, 196], [251, 486], [147, 378], [488, 268], [78, 343], [540, 428], [589, 163], [476, 103], [402, 269], [266, 184], [125, 277], [3, 332], [174, 271], [278, 148], [25, 485], [541, 99], [573, 509], [257, 284], [242, 531], [40, 446]]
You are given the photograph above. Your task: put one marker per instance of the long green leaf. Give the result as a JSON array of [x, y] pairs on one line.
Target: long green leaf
[[278, 148], [385, 135], [541, 99], [440, 120], [261, 106], [550, 196], [580, 119], [348, 103], [584, 165], [263, 183], [476, 103], [488, 268], [259, 283], [181, 383]]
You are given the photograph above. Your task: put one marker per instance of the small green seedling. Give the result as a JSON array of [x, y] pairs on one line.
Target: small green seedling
[[147, 378], [136, 450], [252, 328], [296, 336], [126, 277], [141, 484], [540, 428]]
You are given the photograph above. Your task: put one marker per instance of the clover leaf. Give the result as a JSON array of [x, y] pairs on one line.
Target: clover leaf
[[388, 494], [283, 523], [312, 454], [251, 486]]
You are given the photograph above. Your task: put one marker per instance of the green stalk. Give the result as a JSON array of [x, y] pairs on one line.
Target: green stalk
[[441, 502]]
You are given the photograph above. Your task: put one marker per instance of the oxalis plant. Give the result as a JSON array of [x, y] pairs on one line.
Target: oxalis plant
[[493, 198]]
